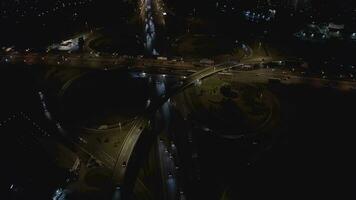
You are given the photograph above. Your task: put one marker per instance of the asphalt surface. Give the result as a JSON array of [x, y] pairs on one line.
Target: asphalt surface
[[119, 161]]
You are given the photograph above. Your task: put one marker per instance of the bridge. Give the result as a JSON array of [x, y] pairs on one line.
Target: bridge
[[121, 172], [123, 157]]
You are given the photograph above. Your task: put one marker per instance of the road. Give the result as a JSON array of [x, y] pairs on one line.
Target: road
[[120, 162], [141, 122], [137, 130], [130, 141], [167, 166], [91, 61], [264, 75], [123, 158]]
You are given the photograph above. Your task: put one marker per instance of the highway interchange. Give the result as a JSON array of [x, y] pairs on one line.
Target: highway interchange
[[120, 159]]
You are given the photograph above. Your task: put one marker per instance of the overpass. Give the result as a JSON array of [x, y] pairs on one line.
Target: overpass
[[139, 137], [124, 160], [129, 152], [89, 61]]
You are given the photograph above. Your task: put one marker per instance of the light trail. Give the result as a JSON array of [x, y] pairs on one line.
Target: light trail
[[151, 12]]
